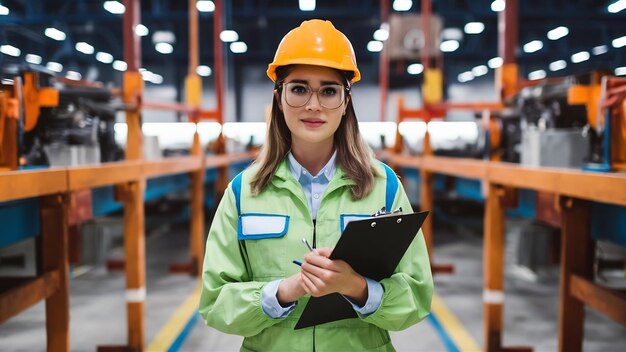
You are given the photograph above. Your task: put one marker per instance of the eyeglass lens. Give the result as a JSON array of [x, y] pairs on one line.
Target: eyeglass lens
[[329, 96]]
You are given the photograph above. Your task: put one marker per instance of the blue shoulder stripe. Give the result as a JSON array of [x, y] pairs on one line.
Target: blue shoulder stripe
[[237, 191], [392, 187]]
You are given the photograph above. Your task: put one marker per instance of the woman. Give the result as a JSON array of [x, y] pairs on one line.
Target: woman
[[313, 174]]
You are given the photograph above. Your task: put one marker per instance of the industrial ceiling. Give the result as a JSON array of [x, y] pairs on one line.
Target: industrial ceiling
[[260, 24]]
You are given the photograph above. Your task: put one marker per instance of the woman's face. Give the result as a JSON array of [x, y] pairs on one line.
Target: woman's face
[[314, 120]]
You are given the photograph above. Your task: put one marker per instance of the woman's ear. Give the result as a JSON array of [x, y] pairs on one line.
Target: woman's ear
[[277, 97], [345, 106]]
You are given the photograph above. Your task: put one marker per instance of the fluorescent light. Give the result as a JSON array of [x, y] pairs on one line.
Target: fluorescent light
[[402, 5], [580, 57], [54, 33], [539, 74], [474, 27], [620, 71], [558, 33], [533, 46], [495, 62], [449, 46], [451, 34], [203, 70], [619, 42], [465, 77], [54, 66], [146, 75], [381, 34], [229, 36], [84, 48], [480, 70], [238, 47], [33, 59], [164, 37], [306, 5], [73, 75], [120, 65], [164, 48], [141, 30], [156, 78], [10, 50], [205, 6], [4, 10], [415, 69], [617, 6], [114, 7], [103, 57], [557, 65], [498, 5], [374, 46], [600, 49]]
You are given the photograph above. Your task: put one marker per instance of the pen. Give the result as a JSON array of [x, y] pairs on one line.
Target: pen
[[298, 263], [307, 244]]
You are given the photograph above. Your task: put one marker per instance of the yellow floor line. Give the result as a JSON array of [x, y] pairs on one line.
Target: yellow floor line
[[166, 336], [462, 339]]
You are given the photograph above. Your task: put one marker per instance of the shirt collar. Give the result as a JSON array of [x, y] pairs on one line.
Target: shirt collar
[[328, 171]]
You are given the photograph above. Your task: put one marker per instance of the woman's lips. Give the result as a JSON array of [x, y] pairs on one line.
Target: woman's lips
[[312, 122]]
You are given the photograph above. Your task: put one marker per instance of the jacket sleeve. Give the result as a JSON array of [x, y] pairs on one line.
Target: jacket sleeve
[[408, 292], [229, 300]]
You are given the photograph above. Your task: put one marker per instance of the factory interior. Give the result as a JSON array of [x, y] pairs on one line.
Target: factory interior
[[123, 122]]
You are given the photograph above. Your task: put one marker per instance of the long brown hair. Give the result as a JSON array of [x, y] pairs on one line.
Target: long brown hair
[[353, 155]]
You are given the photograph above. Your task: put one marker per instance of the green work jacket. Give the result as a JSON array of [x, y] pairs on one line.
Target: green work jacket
[[254, 240]]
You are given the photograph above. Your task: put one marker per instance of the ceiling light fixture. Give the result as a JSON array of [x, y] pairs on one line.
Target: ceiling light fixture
[[164, 48], [533, 46], [557, 65], [10, 50], [498, 5], [54, 33], [539, 74], [203, 70], [54, 66], [4, 10], [120, 65], [229, 36], [415, 69], [114, 7], [619, 42], [103, 57], [495, 62], [84, 48], [600, 49], [141, 30], [402, 5], [449, 46], [205, 6], [580, 57], [374, 46], [306, 5], [33, 59], [474, 27], [238, 47], [558, 33], [617, 6]]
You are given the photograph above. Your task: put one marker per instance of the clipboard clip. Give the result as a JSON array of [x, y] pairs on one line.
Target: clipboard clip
[[383, 211]]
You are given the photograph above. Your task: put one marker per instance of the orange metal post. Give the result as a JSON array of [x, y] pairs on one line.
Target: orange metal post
[[54, 215], [194, 94], [383, 76], [576, 259], [493, 268], [133, 192], [507, 74]]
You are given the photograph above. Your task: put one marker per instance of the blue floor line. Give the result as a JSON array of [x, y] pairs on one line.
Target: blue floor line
[[445, 338], [182, 336]]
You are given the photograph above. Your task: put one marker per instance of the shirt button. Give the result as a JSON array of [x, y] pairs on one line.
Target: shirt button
[[304, 172], [316, 196]]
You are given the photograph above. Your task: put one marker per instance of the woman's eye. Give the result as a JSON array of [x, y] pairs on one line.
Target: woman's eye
[[329, 90], [299, 89]]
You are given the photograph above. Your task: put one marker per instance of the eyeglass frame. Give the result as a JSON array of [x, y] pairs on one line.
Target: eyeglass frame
[[280, 85]]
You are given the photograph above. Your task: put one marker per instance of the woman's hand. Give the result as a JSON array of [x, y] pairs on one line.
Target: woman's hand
[[322, 276], [290, 289]]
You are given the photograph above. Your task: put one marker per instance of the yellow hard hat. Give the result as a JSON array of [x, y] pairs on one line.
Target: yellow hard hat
[[315, 42]]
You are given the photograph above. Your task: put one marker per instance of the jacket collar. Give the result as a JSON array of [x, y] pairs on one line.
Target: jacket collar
[[283, 177]]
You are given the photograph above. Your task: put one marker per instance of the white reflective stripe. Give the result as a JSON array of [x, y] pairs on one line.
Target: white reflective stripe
[[260, 225], [349, 218], [136, 295], [493, 297]]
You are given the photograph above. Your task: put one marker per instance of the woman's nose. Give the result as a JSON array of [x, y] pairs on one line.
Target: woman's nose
[[314, 102]]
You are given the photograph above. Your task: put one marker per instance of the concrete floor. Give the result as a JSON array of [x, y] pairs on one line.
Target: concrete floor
[[98, 315]]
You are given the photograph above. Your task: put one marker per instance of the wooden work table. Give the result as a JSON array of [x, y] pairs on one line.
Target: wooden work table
[[576, 190], [53, 186]]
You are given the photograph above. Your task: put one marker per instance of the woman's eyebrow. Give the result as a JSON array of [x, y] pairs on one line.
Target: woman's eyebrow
[[323, 83]]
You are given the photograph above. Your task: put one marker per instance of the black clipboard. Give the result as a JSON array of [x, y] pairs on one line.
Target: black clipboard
[[373, 247]]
